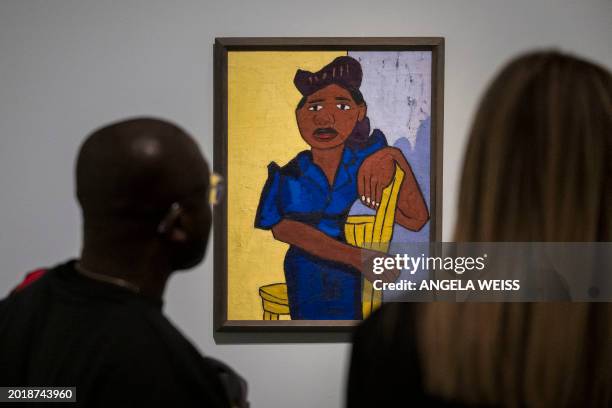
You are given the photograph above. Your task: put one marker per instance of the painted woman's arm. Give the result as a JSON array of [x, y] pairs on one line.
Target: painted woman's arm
[[376, 173], [323, 246], [412, 211]]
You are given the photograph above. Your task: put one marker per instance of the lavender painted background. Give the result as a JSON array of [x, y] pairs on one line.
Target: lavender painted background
[[397, 89]]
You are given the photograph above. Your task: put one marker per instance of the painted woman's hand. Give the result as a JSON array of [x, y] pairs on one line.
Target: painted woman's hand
[[376, 173]]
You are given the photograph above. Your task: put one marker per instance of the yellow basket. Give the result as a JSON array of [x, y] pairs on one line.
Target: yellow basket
[[375, 232]]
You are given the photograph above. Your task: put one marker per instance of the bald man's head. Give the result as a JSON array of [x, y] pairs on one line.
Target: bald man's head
[[132, 172]]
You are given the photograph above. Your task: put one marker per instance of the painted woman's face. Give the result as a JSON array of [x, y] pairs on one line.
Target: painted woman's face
[[328, 117]]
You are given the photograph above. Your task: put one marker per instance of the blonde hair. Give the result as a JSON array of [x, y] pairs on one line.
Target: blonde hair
[[538, 167]]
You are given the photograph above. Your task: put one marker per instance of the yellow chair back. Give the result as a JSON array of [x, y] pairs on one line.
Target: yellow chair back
[[375, 232]]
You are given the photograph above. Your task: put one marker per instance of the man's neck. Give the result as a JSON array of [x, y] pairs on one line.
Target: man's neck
[[147, 272]]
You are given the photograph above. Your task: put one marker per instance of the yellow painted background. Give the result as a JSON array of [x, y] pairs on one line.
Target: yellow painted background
[[261, 129]]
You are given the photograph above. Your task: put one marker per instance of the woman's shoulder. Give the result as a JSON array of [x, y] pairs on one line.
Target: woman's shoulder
[[375, 142], [392, 323], [294, 168], [377, 138], [384, 359]]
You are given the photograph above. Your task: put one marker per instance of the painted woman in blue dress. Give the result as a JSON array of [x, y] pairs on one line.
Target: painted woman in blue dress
[[306, 202]]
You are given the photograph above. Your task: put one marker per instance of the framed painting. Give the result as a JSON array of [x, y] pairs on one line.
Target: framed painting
[[329, 147]]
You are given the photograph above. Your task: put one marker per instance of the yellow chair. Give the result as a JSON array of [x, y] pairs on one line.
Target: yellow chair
[[274, 300], [375, 232]]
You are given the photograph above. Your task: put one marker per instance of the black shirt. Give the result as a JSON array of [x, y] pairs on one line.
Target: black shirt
[[115, 346], [385, 368]]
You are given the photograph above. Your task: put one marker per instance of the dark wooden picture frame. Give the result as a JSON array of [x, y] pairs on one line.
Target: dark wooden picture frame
[[220, 163]]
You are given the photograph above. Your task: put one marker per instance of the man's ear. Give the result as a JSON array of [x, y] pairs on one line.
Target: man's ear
[[363, 111], [171, 227]]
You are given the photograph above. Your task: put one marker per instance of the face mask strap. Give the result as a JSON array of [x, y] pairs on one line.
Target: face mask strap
[[170, 218]]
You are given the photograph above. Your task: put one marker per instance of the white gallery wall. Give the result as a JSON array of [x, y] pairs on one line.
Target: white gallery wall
[[68, 66]]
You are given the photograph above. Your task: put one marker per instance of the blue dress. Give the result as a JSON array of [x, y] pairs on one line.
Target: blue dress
[[318, 289]]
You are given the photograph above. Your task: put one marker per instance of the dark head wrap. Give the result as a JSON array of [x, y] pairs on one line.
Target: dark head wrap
[[346, 72]]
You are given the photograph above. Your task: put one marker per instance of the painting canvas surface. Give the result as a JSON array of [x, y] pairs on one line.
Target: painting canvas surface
[[262, 128]]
